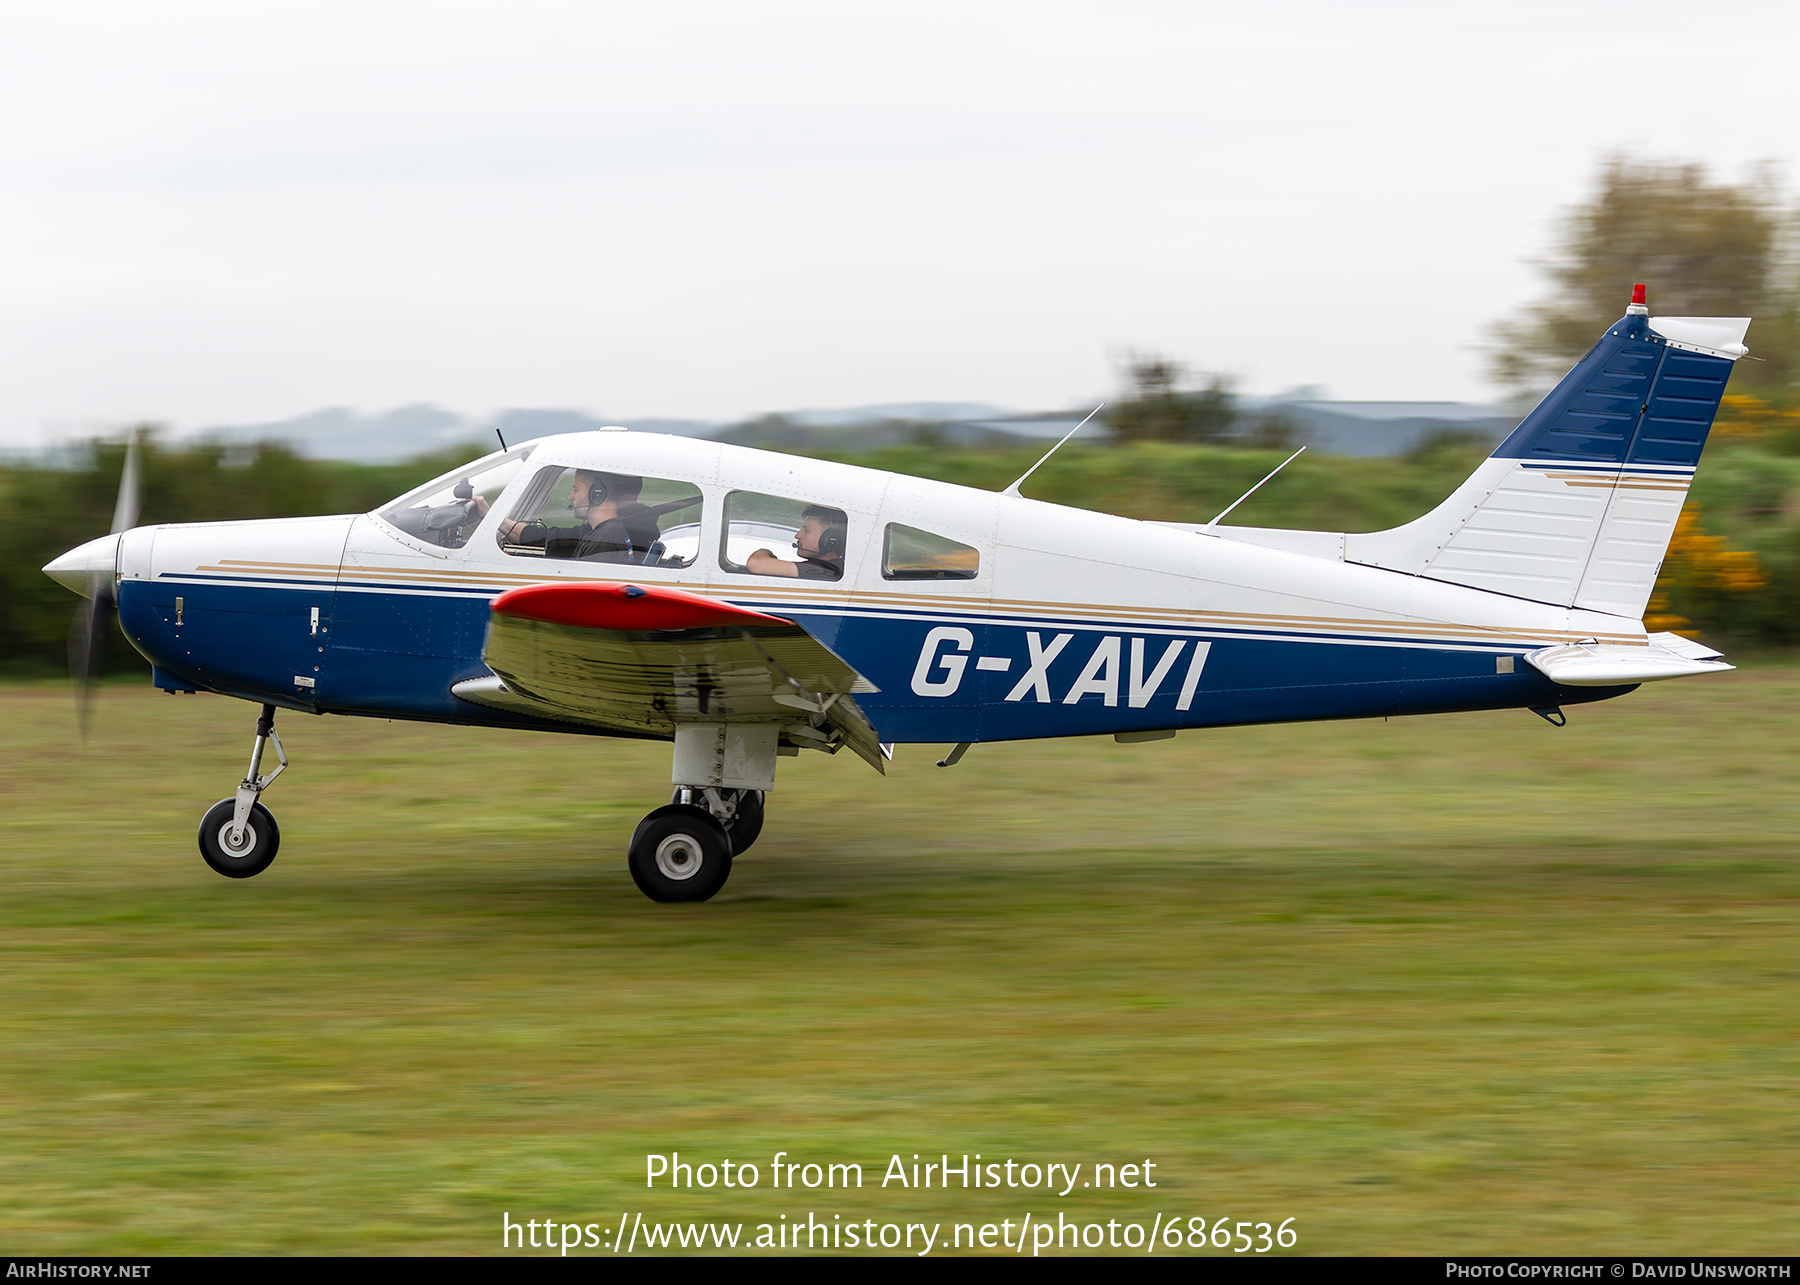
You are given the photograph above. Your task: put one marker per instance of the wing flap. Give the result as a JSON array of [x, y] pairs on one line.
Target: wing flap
[[642, 659]]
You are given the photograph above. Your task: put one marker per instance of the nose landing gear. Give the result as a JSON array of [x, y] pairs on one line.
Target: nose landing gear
[[238, 836]]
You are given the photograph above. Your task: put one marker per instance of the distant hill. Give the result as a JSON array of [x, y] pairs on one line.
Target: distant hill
[[338, 433], [1393, 428], [387, 437], [1329, 427], [906, 412]]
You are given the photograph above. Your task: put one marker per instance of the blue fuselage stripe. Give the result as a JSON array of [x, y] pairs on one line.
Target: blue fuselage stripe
[[959, 673]]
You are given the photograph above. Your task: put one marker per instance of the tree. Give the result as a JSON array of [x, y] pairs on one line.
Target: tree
[[1703, 248], [1156, 409]]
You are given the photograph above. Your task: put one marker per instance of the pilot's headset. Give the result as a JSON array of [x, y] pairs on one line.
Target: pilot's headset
[[831, 537], [596, 493]]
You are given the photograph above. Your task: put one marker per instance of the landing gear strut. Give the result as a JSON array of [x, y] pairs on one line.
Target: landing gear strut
[[238, 836], [739, 811]]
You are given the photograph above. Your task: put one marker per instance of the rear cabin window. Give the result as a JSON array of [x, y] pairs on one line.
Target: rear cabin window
[[908, 553], [591, 515], [770, 535]]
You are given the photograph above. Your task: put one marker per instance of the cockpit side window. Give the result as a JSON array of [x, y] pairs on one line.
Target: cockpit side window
[[446, 510], [593, 515], [908, 553], [771, 535]]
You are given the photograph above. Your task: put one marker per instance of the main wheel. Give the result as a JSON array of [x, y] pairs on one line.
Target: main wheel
[[253, 852], [679, 853]]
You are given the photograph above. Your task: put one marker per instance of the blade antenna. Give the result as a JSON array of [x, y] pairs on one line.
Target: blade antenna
[[1253, 490], [1014, 488]]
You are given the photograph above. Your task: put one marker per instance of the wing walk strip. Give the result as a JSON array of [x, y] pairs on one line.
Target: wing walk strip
[[875, 603]]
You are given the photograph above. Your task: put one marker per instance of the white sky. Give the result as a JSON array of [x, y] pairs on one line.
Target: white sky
[[215, 213]]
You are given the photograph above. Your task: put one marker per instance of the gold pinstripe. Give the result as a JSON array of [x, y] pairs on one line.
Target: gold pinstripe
[[1614, 481], [430, 578]]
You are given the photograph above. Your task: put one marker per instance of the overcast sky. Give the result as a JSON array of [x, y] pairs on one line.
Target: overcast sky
[[218, 213]]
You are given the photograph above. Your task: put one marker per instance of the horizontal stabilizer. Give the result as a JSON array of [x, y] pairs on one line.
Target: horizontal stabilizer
[[1618, 665], [1684, 646]]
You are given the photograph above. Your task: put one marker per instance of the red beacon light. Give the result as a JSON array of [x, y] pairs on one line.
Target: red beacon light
[[1638, 308]]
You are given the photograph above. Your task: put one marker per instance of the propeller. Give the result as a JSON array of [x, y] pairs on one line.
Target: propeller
[[87, 635]]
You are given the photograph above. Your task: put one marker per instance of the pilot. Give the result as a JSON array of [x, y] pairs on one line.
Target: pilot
[[819, 542], [615, 527]]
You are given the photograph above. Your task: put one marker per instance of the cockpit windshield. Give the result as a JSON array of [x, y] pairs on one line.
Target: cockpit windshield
[[446, 510]]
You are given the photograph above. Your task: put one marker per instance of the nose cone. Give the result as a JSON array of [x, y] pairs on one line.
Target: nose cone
[[87, 566]]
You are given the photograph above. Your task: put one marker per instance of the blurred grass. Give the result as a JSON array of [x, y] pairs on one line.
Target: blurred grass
[[1465, 984]]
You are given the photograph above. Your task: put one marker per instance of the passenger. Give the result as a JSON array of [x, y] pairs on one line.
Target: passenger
[[616, 528], [819, 542]]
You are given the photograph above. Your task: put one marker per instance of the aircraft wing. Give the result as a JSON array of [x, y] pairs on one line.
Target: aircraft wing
[[639, 659]]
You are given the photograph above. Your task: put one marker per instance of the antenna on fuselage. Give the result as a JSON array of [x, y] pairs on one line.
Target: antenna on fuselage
[[1014, 488], [1252, 491], [501, 436]]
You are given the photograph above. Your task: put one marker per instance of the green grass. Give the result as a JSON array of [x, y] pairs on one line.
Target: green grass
[[1467, 984]]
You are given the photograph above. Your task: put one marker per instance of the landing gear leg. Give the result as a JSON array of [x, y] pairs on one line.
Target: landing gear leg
[[740, 812], [238, 836]]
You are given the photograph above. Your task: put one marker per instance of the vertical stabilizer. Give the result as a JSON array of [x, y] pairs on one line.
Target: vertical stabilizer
[[1576, 507]]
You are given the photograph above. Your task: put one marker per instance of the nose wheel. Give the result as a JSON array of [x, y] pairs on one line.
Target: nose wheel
[[238, 836], [238, 852]]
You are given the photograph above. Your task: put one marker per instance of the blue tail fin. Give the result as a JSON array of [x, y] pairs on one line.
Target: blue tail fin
[[1639, 397], [1577, 505]]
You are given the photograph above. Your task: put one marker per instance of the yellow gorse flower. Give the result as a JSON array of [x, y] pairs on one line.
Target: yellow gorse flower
[[1703, 562]]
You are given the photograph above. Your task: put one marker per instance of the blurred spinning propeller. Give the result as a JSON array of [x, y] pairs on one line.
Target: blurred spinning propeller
[[87, 635]]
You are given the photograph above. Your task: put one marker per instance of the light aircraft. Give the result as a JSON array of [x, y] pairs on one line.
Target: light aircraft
[[746, 605]]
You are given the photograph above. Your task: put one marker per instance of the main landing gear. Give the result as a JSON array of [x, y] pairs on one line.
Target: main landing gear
[[238, 836], [683, 852]]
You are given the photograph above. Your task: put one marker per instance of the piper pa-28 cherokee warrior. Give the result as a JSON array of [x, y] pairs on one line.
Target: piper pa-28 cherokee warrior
[[747, 605]]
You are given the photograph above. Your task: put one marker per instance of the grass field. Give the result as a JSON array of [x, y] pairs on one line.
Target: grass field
[[1467, 984]]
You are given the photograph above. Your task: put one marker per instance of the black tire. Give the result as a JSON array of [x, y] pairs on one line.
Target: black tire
[[748, 822], [262, 839], [679, 853]]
